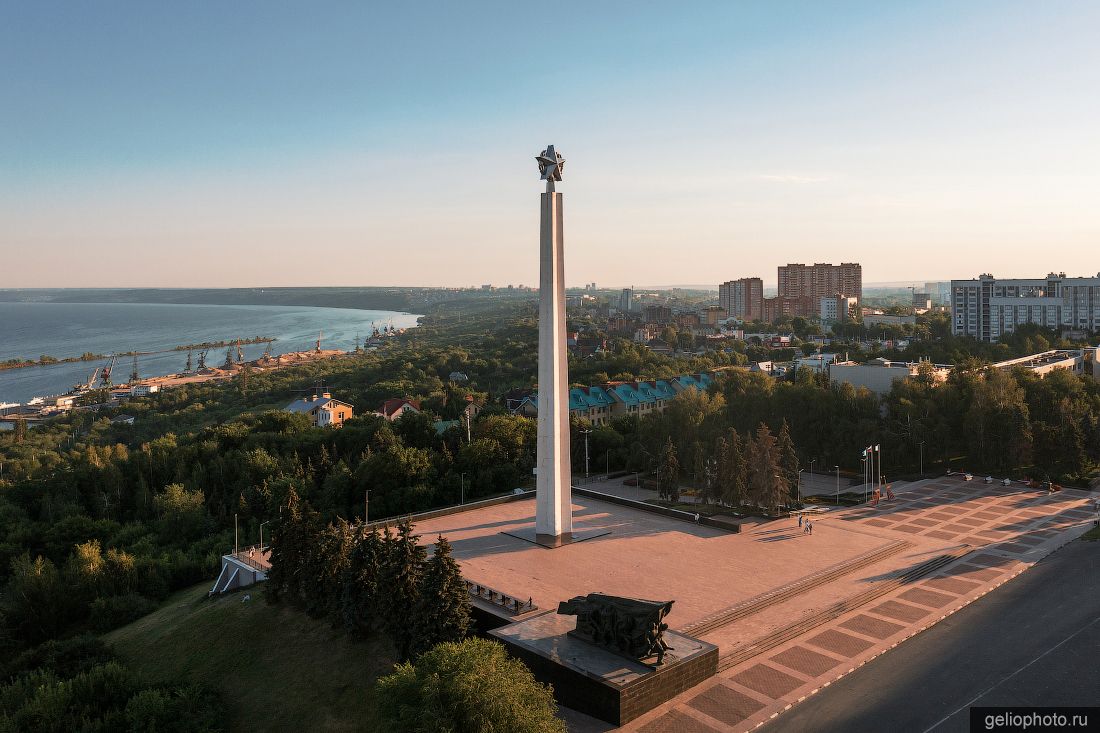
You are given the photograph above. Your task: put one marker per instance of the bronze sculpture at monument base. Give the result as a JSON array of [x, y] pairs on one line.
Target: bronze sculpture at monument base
[[632, 627]]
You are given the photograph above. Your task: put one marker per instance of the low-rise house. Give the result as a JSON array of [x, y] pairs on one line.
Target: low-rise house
[[123, 420], [322, 409], [393, 408], [144, 390]]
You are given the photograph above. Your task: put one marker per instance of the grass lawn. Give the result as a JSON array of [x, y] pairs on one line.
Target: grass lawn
[[275, 667], [1092, 535]]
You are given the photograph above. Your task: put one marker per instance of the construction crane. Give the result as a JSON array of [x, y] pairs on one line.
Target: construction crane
[[105, 375], [188, 369], [134, 372], [319, 335], [90, 384], [202, 359]]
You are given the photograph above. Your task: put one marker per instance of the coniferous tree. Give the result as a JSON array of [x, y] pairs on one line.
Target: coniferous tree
[[788, 458], [443, 611], [731, 469], [767, 487], [399, 585], [286, 549], [670, 472], [360, 596]]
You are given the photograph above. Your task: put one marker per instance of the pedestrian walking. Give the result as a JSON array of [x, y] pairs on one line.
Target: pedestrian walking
[[810, 525], [697, 517], [800, 521]]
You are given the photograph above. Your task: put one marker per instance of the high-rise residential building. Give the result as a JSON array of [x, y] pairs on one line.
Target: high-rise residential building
[[922, 301], [988, 308], [820, 280], [939, 291], [742, 299], [626, 300]]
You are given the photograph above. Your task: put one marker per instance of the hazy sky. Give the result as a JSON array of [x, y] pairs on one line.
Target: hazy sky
[[237, 144]]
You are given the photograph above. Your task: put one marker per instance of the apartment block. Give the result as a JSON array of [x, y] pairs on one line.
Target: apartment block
[[742, 299], [987, 308], [820, 280]]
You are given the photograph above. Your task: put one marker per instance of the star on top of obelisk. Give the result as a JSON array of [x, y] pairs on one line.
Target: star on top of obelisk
[[550, 166]]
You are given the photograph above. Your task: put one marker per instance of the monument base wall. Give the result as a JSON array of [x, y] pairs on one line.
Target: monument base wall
[[598, 682]]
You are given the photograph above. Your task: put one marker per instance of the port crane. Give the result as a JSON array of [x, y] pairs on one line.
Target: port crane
[[202, 359], [319, 335], [134, 378], [105, 375], [240, 352], [188, 369]]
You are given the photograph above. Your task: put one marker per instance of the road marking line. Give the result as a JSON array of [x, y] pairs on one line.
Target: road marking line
[[1006, 679]]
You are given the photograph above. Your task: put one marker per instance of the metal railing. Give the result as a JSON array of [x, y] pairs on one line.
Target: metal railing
[[508, 603], [253, 557]]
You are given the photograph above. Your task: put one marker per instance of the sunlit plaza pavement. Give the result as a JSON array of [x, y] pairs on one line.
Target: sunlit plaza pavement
[[789, 611], [997, 532]]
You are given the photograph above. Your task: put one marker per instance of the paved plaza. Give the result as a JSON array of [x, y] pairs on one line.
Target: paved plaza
[[991, 534], [790, 612]]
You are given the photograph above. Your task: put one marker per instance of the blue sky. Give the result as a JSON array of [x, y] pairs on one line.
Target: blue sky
[[214, 144]]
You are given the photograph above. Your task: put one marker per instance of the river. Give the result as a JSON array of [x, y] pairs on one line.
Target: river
[[29, 330]]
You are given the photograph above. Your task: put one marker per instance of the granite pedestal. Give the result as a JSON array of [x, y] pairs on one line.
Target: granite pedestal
[[601, 683]]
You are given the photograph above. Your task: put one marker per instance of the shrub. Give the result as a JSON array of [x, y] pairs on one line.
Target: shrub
[[468, 686], [114, 611]]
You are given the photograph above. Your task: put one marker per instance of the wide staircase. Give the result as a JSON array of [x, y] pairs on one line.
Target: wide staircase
[[792, 631], [756, 604]]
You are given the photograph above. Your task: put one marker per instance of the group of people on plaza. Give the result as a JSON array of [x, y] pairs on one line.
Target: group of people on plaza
[[806, 525]]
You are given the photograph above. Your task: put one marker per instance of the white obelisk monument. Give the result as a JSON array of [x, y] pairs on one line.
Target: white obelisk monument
[[554, 509]]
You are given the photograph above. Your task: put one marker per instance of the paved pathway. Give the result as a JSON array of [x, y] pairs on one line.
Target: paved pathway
[[999, 531]]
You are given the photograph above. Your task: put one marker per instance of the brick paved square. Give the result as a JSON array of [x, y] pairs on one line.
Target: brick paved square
[[971, 521], [925, 522], [767, 681], [869, 626], [988, 515], [926, 597], [1028, 540], [900, 611], [989, 560], [908, 528], [975, 541], [959, 528], [973, 572], [840, 643], [952, 585], [992, 534], [806, 661], [879, 522], [676, 722], [725, 704]]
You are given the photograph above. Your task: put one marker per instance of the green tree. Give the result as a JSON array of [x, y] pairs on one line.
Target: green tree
[[471, 686], [766, 485], [360, 602], [443, 609], [669, 472], [788, 458], [399, 583]]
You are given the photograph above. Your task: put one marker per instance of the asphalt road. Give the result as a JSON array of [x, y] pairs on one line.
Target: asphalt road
[[1033, 641]]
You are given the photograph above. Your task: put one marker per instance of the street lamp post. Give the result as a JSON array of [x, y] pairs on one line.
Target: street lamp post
[[607, 463], [837, 485], [262, 534], [586, 432], [922, 459], [798, 484], [462, 488]]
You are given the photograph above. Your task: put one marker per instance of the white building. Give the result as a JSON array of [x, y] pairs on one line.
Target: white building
[[838, 308], [879, 375], [988, 308]]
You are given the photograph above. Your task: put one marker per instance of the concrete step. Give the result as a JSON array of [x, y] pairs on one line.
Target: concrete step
[[785, 634], [783, 593]]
